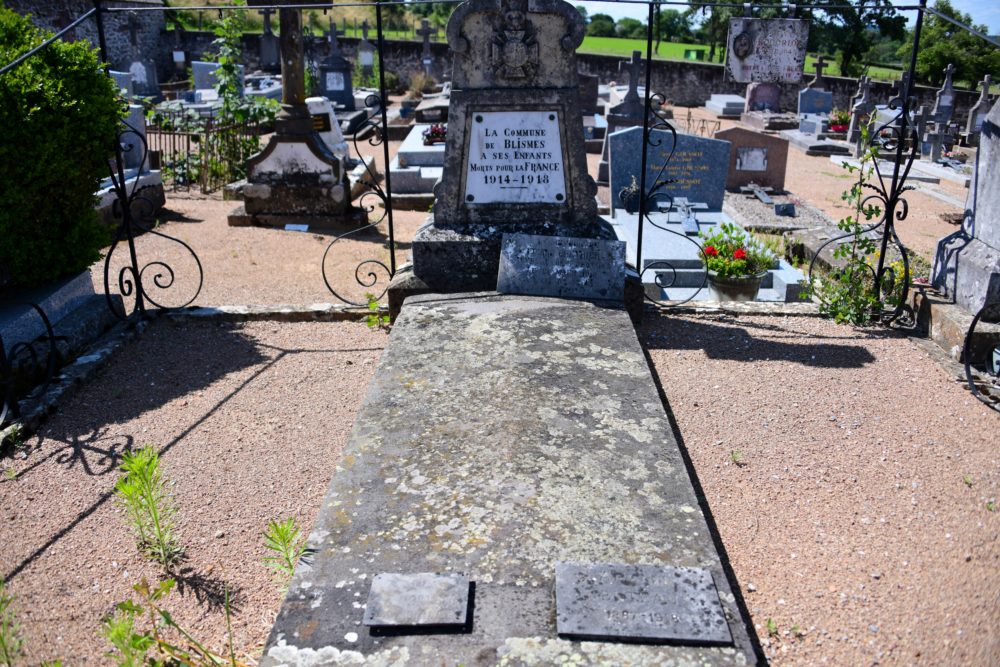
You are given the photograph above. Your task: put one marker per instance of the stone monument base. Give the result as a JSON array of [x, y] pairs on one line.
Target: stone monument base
[[967, 270], [350, 219]]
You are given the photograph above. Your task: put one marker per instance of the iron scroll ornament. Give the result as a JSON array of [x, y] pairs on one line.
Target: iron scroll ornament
[[366, 273], [656, 197], [990, 311], [136, 211], [895, 136]]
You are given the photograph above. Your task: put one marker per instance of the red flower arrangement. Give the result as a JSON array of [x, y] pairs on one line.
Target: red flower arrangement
[[739, 253], [710, 250]]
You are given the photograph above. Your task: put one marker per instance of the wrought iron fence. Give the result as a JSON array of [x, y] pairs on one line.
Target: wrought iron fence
[[200, 150]]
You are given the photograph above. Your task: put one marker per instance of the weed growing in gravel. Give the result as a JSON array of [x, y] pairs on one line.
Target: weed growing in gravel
[[14, 438], [10, 473], [150, 510], [991, 506], [375, 319], [173, 644], [772, 627], [286, 544], [736, 456], [968, 480], [11, 642]]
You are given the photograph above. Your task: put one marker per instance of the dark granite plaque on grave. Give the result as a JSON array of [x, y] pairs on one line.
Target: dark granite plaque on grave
[[639, 603], [566, 267], [422, 600]]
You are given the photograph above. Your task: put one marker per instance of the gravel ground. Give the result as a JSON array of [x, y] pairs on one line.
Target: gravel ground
[[858, 512], [250, 421]]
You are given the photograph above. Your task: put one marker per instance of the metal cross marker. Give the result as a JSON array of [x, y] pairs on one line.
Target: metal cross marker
[[820, 65], [759, 192], [689, 219], [132, 26], [634, 70], [266, 13]]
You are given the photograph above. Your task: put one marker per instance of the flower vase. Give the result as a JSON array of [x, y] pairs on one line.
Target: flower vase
[[734, 288]]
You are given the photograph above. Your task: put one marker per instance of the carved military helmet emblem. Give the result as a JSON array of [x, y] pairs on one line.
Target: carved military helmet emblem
[[514, 46]]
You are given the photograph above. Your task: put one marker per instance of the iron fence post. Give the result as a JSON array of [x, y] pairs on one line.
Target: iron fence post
[[385, 134]]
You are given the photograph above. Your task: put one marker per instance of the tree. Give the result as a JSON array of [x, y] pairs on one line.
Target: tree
[[674, 26], [942, 43], [601, 25], [628, 28], [851, 30], [713, 28]]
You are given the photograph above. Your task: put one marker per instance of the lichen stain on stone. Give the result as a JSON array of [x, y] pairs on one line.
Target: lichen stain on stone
[[538, 651], [285, 655]]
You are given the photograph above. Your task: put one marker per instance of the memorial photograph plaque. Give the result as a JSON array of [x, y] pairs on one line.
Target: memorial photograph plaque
[[334, 80], [751, 158], [771, 50], [515, 157]]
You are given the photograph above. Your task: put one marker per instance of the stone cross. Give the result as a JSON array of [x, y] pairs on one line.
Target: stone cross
[[366, 52], [944, 102], [977, 114], [861, 92], [132, 26], [266, 13], [860, 112], [820, 65], [364, 30], [332, 38], [426, 32], [634, 70]]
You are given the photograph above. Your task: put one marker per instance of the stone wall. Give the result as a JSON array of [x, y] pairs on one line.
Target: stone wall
[[57, 14]]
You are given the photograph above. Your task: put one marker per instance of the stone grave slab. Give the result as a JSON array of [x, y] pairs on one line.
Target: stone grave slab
[[729, 106], [755, 158], [695, 164], [561, 266], [432, 110], [642, 603], [424, 599], [493, 434], [416, 167]]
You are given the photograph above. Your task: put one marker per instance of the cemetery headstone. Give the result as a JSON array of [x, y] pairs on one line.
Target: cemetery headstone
[[514, 157], [335, 74], [269, 52], [814, 98], [123, 81], [366, 52], [205, 80], [768, 50], [726, 106], [978, 113], [426, 57], [762, 96], [588, 94], [862, 110], [944, 101], [628, 113], [325, 124], [296, 179], [967, 263], [755, 158], [141, 67], [694, 168]]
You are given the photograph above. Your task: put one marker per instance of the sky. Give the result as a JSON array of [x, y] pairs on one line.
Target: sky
[[982, 11]]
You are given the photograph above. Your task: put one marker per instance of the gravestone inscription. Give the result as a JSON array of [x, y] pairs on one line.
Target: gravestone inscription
[[417, 600], [693, 171], [772, 50], [563, 267], [647, 603]]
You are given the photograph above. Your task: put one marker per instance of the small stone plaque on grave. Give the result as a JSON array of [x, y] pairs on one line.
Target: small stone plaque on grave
[[561, 266], [417, 600], [334, 80], [515, 157], [639, 603]]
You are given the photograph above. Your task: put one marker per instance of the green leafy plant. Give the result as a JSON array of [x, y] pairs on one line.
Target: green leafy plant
[[60, 116], [991, 506], [736, 456], [375, 319], [11, 643], [849, 294], [729, 252], [967, 479], [149, 508], [10, 473], [171, 643], [286, 544], [840, 117], [772, 627]]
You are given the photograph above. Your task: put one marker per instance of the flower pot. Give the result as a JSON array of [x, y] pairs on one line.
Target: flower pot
[[838, 128], [734, 288]]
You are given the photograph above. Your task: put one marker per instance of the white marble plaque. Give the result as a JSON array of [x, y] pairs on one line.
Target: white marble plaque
[[751, 158], [768, 50], [515, 157], [334, 80]]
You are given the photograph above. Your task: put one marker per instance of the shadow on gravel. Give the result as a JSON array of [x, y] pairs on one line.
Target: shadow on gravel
[[168, 362], [737, 339], [208, 590], [166, 215]]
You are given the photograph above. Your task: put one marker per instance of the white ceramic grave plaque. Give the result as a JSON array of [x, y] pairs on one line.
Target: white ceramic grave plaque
[[334, 80], [751, 158], [515, 157]]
